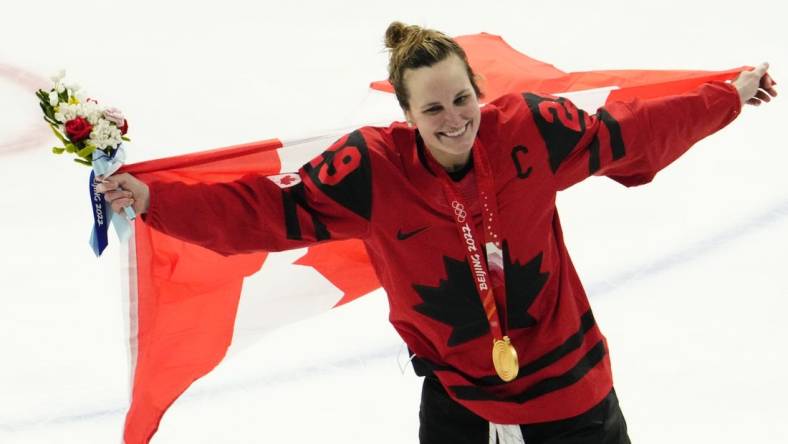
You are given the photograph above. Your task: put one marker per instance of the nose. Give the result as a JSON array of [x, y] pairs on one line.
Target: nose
[[454, 118]]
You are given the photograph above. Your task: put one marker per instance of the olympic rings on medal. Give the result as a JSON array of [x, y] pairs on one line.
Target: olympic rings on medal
[[459, 211]]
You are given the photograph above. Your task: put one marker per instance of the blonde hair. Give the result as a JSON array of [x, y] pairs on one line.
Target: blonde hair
[[413, 47]]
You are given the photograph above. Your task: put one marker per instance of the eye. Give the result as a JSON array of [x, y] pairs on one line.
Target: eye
[[433, 110], [462, 100]]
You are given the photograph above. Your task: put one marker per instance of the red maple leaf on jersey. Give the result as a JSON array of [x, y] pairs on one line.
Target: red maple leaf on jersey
[[287, 180]]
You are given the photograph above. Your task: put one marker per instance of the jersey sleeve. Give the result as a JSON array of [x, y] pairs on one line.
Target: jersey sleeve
[[329, 198], [629, 141]]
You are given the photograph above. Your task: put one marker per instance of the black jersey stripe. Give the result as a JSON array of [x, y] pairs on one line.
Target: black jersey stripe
[[543, 387], [571, 344], [292, 198], [613, 127], [423, 367], [321, 231], [292, 226], [593, 156]]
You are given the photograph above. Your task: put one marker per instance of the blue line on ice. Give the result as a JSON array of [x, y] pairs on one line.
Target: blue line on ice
[[693, 251]]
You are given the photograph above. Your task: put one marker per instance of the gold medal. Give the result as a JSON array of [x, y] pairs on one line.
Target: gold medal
[[504, 358]]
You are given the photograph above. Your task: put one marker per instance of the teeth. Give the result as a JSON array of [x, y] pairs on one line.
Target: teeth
[[459, 132]]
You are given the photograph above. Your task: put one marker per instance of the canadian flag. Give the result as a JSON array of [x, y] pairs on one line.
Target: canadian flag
[[226, 302]]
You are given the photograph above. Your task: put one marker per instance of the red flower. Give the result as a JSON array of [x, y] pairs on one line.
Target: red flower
[[78, 129], [125, 128]]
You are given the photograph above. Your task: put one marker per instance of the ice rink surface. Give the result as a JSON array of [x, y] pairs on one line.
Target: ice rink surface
[[687, 275]]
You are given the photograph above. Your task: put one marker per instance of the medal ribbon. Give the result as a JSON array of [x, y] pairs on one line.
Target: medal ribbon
[[487, 284]]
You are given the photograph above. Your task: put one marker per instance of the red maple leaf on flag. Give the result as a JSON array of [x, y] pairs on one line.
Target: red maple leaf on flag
[[353, 275]]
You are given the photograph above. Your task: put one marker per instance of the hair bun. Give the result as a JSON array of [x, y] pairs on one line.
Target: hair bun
[[412, 47], [397, 33]]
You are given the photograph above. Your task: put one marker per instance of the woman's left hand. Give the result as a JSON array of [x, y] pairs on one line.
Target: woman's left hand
[[755, 86]]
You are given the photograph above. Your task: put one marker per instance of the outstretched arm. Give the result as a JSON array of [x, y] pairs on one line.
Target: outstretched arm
[[631, 141], [329, 198]]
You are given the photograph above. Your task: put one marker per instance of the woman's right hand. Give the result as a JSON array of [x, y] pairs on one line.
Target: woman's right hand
[[123, 190]]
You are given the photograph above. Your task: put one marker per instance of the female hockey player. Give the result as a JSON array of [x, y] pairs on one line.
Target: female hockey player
[[457, 211]]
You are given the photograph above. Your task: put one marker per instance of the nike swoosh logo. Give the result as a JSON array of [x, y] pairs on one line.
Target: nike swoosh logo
[[402, 235]]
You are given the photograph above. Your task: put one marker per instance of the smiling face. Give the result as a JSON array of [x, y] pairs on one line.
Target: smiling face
[[443, 105]]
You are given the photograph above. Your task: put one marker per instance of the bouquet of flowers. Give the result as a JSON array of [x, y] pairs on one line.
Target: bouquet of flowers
[[82, 125], [95, 135]]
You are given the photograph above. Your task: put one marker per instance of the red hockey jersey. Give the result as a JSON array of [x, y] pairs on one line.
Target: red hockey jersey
[[375, 184]]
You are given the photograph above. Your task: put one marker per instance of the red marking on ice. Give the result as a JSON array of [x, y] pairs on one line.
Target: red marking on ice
[[35, 135]]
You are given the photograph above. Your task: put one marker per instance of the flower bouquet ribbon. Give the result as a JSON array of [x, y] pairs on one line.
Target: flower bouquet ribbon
[[94, 134]]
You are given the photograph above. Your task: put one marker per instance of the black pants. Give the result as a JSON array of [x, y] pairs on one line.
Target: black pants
[[442, 420]]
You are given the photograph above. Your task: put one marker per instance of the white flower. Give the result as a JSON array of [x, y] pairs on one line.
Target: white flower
[[105, 135], [68, 111], [58, 76], [53, 98], [91, 111], [80, 96], [59, 87]]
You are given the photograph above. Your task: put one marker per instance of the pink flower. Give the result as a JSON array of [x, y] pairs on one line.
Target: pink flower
[[115, 116]]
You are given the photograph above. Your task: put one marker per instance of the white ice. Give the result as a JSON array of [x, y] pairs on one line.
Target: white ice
[[687, 275]]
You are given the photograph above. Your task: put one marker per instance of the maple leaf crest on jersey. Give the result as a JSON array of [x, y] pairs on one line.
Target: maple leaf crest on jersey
[[286, 180]]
